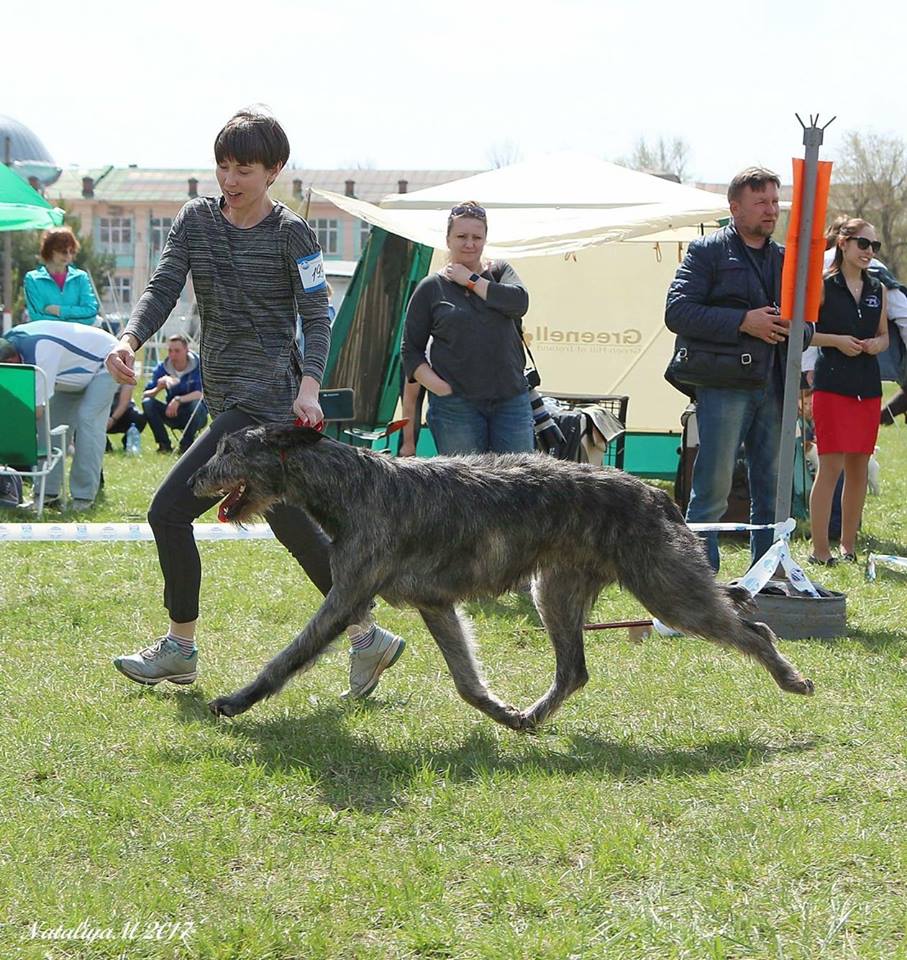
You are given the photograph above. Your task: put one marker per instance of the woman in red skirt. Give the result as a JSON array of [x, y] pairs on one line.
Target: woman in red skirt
[[847, 399]]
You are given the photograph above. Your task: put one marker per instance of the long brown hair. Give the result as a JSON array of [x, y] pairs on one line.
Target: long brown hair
[[849, 228]]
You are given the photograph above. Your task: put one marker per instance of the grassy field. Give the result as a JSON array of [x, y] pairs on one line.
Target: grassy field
[[679, 806]]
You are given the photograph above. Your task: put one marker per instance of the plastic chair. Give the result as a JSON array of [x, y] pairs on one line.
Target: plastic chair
[[26, 439]]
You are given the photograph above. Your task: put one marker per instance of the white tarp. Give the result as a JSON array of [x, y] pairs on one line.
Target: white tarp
[[596, 317]]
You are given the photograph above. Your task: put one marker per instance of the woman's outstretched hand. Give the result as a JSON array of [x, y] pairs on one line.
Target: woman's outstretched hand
[[120, 363]]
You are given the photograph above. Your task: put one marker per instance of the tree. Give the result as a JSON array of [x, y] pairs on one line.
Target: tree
[[503, 153], [663, 157], [870, 182]]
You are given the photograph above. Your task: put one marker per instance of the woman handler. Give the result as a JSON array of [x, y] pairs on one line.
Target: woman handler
[[255, 266]]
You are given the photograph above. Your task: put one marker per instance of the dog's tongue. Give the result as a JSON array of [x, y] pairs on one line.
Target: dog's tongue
[[223, 511]]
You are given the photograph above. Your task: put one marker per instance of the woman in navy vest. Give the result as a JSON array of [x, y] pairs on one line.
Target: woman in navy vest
[[852, 330]]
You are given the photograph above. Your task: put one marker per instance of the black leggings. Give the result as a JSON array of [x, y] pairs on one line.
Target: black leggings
[[174, 507]]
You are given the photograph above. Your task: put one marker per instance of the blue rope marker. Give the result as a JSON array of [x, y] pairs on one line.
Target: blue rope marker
[[134, 532], [889, 559]]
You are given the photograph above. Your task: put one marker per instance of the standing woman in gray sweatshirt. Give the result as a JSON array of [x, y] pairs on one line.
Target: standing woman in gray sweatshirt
[[463, 342], [255, 266]]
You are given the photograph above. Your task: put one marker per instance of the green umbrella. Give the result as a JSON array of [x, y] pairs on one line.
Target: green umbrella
[[22, 208]]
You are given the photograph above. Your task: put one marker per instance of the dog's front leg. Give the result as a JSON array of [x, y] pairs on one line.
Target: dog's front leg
[[452, 634], [330, 620], [562, 601]]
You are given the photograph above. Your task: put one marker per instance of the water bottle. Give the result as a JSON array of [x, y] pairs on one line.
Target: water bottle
[[133, 441]]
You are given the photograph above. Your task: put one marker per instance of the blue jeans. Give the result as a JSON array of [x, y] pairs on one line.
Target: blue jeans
[[86, 412], [487, 426], [188, 419], [727, 418]]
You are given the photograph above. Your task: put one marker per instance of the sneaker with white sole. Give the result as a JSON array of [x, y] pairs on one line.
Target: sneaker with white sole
[[366, 666], [163, 660]]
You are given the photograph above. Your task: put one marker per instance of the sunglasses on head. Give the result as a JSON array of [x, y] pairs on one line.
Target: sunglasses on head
[[468, 210], [864, 243]]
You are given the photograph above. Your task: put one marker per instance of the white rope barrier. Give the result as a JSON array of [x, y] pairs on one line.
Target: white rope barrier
[[130, 532], [889, 559], [763, 569]]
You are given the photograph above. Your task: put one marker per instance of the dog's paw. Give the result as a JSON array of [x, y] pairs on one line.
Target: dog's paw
[[802, 685], [530, 721], [226, 707]]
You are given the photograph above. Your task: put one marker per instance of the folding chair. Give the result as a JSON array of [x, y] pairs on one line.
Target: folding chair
[[25, 440], [337, 405]]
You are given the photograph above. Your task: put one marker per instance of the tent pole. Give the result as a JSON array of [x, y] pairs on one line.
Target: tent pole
[[7, 316], [812, 140]]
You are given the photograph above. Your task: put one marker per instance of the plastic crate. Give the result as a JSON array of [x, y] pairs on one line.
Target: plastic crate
[[615, 404]]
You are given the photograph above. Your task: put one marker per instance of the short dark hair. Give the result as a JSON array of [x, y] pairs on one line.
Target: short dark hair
[[756, 178], [60, 239], [7, 351], [253, 135]]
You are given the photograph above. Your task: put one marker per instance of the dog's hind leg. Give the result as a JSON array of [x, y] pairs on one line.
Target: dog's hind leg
[[678, 587], [451, 632], [330, 620], [562, 598]]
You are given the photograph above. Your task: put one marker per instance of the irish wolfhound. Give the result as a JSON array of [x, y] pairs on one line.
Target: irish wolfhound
[[435, 532]]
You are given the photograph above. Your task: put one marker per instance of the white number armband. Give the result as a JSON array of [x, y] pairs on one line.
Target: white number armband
[[311, 272]]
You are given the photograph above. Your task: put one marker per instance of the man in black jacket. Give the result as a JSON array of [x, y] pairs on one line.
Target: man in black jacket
[[730, 353]]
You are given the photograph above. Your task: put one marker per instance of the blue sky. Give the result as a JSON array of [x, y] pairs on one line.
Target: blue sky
[[405, 84]]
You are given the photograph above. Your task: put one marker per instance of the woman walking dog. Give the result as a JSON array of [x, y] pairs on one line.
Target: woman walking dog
[[255, 266]]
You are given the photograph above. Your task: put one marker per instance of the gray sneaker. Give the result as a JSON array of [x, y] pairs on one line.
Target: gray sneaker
[[163, 660], [366, 666]]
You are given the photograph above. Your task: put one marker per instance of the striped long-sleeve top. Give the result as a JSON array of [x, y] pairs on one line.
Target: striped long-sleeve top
[[250, 285]]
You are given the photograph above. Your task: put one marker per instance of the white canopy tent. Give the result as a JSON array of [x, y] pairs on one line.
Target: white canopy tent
[[597, 245]]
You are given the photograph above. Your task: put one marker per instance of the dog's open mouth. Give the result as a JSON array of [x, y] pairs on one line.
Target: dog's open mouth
[[231, 504]]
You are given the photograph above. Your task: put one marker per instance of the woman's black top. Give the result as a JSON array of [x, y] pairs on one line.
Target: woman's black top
[[475, 344], [840, 314]]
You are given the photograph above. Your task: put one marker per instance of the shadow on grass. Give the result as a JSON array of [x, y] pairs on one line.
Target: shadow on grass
[[877, 545], [352, 770], [879, 641], [509, 605]]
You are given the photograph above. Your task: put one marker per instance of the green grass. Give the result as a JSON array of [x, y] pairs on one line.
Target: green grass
[[679, 806]]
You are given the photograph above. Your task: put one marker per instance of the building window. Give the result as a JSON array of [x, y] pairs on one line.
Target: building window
[[118, 297], [158, 233], [363, 234], [328, 233], [115, 234]]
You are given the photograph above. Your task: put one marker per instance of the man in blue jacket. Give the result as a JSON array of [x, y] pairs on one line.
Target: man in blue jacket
[[180, 378], [730, 353]]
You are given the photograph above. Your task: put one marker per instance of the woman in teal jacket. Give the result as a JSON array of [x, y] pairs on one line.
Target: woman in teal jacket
[[57, 290]]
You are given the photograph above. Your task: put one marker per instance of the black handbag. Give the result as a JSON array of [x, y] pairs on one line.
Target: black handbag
[[723, 366]]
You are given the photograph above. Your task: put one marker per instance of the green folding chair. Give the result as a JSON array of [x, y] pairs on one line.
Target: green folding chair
[[28, 446]]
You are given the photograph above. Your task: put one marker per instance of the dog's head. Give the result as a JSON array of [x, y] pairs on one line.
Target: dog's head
[[249, 470]]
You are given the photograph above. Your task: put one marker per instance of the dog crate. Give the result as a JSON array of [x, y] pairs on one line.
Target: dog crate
[[616, 405]]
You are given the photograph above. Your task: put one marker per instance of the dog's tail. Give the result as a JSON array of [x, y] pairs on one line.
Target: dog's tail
[[675, 583]]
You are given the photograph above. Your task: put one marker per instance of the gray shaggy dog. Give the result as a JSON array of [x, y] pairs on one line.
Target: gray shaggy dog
[[432, 533]]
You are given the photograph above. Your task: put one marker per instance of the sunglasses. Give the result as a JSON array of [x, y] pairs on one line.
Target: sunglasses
[[468, 210], [864, 243]]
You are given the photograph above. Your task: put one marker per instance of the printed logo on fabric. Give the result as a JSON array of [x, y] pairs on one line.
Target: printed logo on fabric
[[872, 301], [311, 272]]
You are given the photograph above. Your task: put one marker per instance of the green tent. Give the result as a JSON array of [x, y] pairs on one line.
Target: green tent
[[22, 208]]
